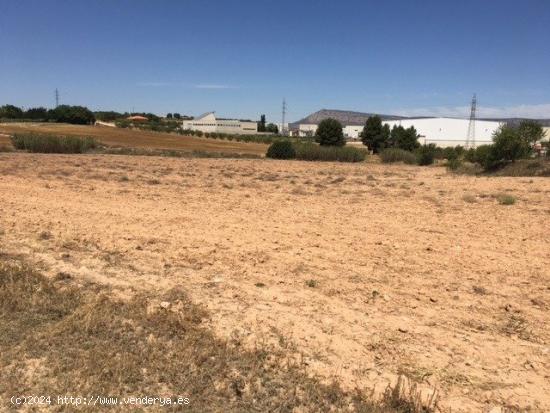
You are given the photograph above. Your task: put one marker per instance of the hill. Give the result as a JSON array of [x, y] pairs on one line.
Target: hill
[[346, 117]]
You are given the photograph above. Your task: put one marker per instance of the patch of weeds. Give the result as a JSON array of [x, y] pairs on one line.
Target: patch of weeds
[[516, 324], [480, 290], [153, 182], [45, 235], [62, 276], [471, 199], [505, 199], [124, 178], [260, 285], [311, 283]]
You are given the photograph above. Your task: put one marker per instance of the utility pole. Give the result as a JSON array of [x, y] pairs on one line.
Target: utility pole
[[56, 97], [471, 138], [283, 120]]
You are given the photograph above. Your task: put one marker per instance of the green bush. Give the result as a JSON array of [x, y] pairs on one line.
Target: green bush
[[453, 164], [281, 150], [313, 152], [425, 155], [508, 146], [477, 155], [397, 155], [52, 144]]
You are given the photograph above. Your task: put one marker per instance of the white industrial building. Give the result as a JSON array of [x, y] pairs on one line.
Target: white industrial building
[[440, 131], [208, 123], [449, 131]]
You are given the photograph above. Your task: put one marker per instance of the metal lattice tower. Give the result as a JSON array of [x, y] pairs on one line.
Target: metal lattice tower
[[471, 138], [56, 97], [283, 118]]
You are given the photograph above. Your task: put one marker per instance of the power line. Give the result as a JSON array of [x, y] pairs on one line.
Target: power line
[[471, 138]]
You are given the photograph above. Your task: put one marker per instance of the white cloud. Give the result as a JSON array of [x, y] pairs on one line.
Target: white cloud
[[187, 85], [521, 111], [213, 86]]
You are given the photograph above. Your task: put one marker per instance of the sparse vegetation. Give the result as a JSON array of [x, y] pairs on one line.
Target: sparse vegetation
[[281, 150], [313, 152], [90, 343], [52, 144], [506, 199], [311, 283], [392, 155], [426, 154]]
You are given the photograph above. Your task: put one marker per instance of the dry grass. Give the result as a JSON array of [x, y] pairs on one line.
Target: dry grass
[[57, 340], [128, 138]]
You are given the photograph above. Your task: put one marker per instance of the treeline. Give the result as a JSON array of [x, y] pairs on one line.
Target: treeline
[[79, 115]]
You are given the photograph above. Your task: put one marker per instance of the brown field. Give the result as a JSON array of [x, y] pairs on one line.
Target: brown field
[[119, 137], [369, 270]]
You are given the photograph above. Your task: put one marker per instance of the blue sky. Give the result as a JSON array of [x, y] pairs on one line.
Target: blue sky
[[240, 58]]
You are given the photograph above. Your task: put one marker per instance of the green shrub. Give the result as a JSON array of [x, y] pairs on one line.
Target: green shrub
[[504, 199], [508, 146], [397, 155], [450, 153], [281, 150], [454, 164], [425, 155], [52, 144], [312, 152]]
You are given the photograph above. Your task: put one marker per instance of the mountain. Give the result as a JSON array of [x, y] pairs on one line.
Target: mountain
[[345, 117]]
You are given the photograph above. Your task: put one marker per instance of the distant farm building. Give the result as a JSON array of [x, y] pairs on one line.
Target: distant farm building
[[208, 123], [137, 118]]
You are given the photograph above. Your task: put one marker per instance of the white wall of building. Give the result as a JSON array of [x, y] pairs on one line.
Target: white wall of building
[[449, 131], [441, 131], [209, 123]]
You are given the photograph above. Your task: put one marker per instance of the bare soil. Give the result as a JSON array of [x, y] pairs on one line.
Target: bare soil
[[370, 270], [133, 138]]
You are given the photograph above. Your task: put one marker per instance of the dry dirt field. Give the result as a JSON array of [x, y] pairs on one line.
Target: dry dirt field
[[118, 137], [369, 270]]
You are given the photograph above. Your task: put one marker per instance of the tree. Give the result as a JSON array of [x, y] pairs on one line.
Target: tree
[[10, 112], [79, 115], [375, 135], [36, 113], [109, 116], [329, 133], [272, 128], [177, 116], [406, 139], [169, 116], [261, 124], [530, 131]]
